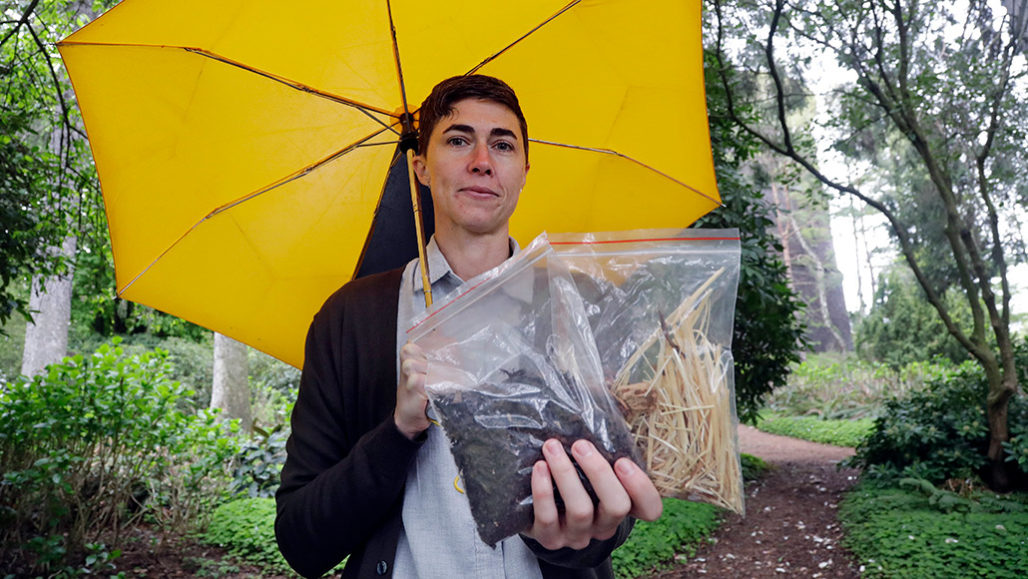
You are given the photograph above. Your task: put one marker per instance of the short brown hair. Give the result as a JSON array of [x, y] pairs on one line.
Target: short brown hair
[[449, 92]]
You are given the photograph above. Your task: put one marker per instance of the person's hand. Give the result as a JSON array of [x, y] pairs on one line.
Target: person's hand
[[624, 490], [411, 399]]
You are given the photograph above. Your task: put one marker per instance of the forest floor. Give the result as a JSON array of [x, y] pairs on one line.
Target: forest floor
[[790, 528]]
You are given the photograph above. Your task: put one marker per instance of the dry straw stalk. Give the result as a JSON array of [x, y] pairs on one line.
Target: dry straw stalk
[[681, 411]]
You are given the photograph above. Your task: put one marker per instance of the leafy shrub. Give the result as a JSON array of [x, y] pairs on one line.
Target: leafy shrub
[[838, 432], [835, 387], [246, 528], [93, 445], [1017, 447], [653, 545], [902, 327], [753, 467], [917, 532], [259, 463], [936, 433]]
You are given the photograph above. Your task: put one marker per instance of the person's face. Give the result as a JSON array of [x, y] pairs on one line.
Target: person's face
[[475, 165]]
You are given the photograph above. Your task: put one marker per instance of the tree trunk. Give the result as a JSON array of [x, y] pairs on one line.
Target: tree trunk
[[46, 336], [231, 392]]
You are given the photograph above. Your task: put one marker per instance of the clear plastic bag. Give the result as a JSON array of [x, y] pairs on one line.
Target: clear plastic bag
[[661, 305], [512, 363]]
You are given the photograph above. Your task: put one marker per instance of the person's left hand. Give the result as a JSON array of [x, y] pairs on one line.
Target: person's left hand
[[623, 490]]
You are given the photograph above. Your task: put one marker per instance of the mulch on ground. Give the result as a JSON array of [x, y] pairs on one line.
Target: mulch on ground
[[790, 528]]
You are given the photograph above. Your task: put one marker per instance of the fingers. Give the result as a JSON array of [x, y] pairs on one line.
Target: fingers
[[623, 490], [646, 503], [578, 505], [546, 527], [411, 399], [615, 502]]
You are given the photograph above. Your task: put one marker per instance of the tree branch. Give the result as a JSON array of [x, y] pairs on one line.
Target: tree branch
[[20, 22], [787, 150]]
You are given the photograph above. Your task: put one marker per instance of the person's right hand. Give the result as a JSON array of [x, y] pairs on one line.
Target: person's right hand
[[411, 400]]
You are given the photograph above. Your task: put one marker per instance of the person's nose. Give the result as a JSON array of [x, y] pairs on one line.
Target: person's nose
[[480, 161]]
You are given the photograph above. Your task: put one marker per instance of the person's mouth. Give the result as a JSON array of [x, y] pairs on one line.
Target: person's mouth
[[480, 191]]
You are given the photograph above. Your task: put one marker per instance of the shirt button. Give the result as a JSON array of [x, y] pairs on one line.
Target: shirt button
[[382, 568]]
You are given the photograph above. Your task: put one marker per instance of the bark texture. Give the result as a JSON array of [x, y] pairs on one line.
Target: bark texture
[[46, 336], [230, 391]]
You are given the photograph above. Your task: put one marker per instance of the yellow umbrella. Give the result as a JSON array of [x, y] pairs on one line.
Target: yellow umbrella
[[242, 146]]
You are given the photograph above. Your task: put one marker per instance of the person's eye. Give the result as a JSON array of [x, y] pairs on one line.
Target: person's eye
[[456, 141], [504, 146]]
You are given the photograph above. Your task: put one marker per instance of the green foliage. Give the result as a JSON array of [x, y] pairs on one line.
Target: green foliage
[[46, 173], [246, 528], [27, 233], [839, 432], [93, 445], [98, 311], [1017, 446], [274, 384], [653, 545], [921, 531], [903, 328], [12, 345], [834, 387], [935, 433], [753, 467], [767, 334], [259, 463]]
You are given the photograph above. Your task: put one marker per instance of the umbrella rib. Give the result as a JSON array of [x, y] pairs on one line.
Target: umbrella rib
[[396, 57], [285, 180], [364, 108], [489, 59], [298, 86], [627, 158]]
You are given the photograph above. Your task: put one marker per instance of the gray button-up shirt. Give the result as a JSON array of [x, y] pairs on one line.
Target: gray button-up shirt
[[439, 537]]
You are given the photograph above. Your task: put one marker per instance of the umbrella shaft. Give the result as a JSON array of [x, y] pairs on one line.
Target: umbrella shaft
[[415, 200]]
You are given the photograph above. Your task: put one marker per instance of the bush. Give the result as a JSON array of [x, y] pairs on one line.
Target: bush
[[93, 445], [653, 545], [902, 327], [838, 432], [936, 433], [246, 529], [753, 467], [914, 532], [259, 463], [835, 387]]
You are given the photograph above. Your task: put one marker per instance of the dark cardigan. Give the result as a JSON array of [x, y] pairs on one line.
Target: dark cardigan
[[343, 481]]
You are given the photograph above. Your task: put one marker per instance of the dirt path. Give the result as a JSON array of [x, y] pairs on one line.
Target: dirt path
[[790, 529]]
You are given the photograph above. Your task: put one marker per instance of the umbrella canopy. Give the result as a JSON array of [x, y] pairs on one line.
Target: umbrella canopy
[[243, 147]]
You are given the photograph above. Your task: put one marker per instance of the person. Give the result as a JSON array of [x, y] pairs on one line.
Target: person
[[367, 475]]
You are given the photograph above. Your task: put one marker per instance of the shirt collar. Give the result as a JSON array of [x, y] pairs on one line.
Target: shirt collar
[[439, 268]]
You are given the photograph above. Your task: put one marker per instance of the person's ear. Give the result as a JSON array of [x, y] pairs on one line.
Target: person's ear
[[421, 170]]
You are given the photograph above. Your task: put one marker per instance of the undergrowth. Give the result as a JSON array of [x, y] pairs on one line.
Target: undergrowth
[[246, 529], [918, 530], [653, 545], [815, 429]]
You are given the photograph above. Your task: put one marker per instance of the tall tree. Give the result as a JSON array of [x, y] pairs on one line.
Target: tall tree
[[934, 111], [230, 391], [803, 223], [768, 333], [37, 93]]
